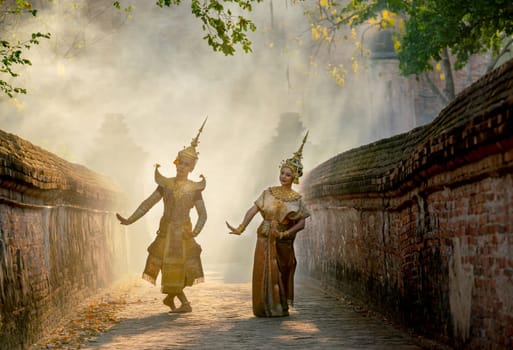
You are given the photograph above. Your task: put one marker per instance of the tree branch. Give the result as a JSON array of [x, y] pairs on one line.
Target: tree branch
[[449, 79], [504, 50], [435, 88]]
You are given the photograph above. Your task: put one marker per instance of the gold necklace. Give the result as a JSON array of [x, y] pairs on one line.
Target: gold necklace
[[284, 194]]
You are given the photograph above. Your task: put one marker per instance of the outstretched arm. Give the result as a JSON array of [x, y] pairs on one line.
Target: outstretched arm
[[245, 222], [143, 208]]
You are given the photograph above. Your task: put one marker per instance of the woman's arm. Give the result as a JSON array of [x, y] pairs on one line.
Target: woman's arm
[[143, 208], [245, 222], [298, 226]]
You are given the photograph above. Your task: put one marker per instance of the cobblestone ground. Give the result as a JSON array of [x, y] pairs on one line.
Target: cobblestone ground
[[222, 319]]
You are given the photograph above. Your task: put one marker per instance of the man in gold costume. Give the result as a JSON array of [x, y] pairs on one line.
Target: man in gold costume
[[284, 215], [174, 252]]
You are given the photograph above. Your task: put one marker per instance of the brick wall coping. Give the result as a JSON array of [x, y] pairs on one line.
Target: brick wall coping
[[30, 174], [480, 118]]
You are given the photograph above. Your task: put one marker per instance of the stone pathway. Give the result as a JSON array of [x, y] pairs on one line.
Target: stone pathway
[[222, 319]]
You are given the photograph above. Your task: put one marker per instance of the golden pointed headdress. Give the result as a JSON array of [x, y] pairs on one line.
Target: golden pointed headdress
[[190, 152], [294, 163]]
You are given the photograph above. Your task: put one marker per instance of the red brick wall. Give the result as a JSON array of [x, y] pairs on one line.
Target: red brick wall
[[59, 240], [420, 225]]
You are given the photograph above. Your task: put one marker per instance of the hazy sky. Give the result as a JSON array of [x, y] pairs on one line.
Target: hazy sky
[[157, 72]]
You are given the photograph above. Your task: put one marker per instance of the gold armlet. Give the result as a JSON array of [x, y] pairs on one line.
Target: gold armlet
[[241, 228], [284, 234]]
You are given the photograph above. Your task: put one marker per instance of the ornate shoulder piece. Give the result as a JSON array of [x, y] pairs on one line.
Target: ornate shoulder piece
[[159, 178], [200, 185]]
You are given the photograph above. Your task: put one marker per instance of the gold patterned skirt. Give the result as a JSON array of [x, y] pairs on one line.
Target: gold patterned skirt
[[177, 258], [273, 276]]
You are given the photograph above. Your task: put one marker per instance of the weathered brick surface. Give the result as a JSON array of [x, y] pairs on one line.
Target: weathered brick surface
[[58, 238], [420, 224]]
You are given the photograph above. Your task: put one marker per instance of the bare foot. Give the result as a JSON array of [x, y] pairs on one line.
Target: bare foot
[[169, 301], [184, 308]]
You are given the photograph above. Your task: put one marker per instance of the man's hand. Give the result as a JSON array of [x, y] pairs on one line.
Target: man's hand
[[122, 220], [233, 230], [188, 234]]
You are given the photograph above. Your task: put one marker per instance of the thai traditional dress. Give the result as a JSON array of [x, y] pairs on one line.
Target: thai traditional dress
[[275, 262], [174, 252]]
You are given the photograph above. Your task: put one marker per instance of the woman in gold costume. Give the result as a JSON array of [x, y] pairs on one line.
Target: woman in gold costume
[[174, 252], [274, 264]]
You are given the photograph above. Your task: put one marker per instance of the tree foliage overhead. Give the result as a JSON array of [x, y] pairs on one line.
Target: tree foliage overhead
[[430, 26], [223, 21], [11, 51], [224, 29]]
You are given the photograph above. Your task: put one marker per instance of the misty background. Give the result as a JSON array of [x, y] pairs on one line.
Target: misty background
[[120, 92]]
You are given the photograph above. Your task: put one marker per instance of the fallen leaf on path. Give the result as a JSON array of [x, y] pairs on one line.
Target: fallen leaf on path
[[97, 316]]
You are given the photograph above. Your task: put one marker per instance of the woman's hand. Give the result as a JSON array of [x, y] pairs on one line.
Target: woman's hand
[[233, 230], [122, 220], [273, 230]]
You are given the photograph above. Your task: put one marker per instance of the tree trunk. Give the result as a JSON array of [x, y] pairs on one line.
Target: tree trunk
[[449, 90]]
